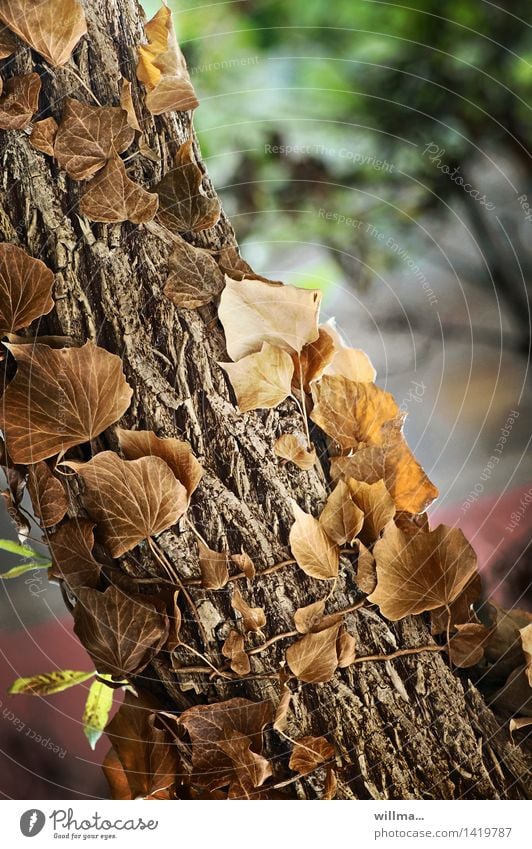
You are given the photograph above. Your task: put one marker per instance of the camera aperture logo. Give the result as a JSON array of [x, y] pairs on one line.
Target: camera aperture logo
[[32, 822]]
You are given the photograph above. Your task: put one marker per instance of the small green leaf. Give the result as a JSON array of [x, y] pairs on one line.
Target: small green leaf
[[21, 550], [97, 709], [23, 568], [49, 682]]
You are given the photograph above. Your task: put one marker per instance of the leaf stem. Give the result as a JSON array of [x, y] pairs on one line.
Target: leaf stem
[[82, 83], [301, 405]]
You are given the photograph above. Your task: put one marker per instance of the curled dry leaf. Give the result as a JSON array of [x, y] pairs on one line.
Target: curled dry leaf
[[48, 497], [25, 288], [233, 649], [313, 658], [60, 398], [183, 206], [351, 363], [411, 523], [308, 618], [43, 135], [345, 649], [120, 632], [293, 447], [466, 647], [50, 31], [316, 554], [253, 618], [516, 724], [19, 101], [89, 136], [331, 784], [71, 550], [213, 566], [126, 102], [280, 719], [313, 359], [232, 264], [423, 572], [526, 642], [261, 380], [8, 45], [459, 610], [130, 500], [309, 753], [366, 570], [112, 197], [245, 563], [351, 412], [175, 622], [377, 505], [194, 278], [253, 312], [177, 454], [341, 518]]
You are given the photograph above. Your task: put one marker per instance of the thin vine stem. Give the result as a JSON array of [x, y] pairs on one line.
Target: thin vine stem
[[82, 83]]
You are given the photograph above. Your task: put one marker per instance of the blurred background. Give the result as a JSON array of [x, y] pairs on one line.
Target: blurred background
[[381, 153]]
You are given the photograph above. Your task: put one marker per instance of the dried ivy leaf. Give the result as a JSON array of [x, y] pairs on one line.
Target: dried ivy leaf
[[50, 31], [213, 566], [466, 647], [309, 753], [233, 649], [8, 45], [131, 500], [217, 757], [376, 504], [352, 412], [307, 618], [411, 523], [19, 101], [312, 548], [194, 278], [293, 447], [313, 658], [345, 649], [116, 777], [177, 454], [126, 102], [460, 609], [253, 618], [280, 719], [366, 570], [341, 518], [89, 136], [120, 632], [526, 642], [49, 683], [261, 380], [25, 288], [245, 563], [162, 67], [175, 625], [112, 197], [71, 549], [183, 206], [60, 398], [313, 360], [48, 497], [253, 312], [520, 722], [43, 135], [331, 784], [420, 573]]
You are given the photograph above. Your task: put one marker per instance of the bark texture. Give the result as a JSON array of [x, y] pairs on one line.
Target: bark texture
[[406, 728]]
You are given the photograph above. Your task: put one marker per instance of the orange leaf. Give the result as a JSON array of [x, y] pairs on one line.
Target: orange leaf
[[352, 412], [25, 288], [341, 518], [51, 31], [376, 504], [316, 554]]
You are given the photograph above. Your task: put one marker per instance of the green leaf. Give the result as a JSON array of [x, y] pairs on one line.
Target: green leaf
[[21, 550], [25, 567], [97, 709], [49, 682]]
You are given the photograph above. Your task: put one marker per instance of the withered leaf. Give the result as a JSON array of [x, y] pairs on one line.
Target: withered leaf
[[253, 312], [526, 642], [466, 647], [261, 380], [281, 713], [116, 776], [293, 447], [135, 444], [217, 759], [175, 622], [126, 102], [61, 398], [19, 101], [8, 45], [130, 500], [233, 649], [351, 363], [366, 570], [422, 572], [43, 135], [71, 549], [232, 264], [25, 288], [460, 609], [309, 753], [411, 523], [331, 784], [312, 548], [351, 412], [376, 504], [345, 649], [313, 360], [52, 32], [194, 278], [341, 518], [213, 566], [245, 563], [183, 206], [111, 197], [308, 617], [120, 632], [313, 658], [48, 497], [89, 136], [253, 618], [520, 722]]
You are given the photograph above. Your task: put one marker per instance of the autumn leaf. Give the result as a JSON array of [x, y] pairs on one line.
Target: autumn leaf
[[526, 642], [25, 288], [459, 612], [126, 102], [376, 504], [120, 632], [213, 566], [261, 380], [280, 720], [51, 31], [71, 549], [49, 683], [309, 753], [130, 500], [183, 206], [466, 647], [253, 312], [253, 618], [345, 649], [351, 412], [293, 447], [43, 135], [177, 454], [48, 497], [245, 563], [19, 101], [194, 278], [307, 618], [313, 658], [420, 573], [96, 712], [316, 554], [314, 358], [351, 363], [233, 649], [8, 45], [366, 578], [111, 197], [89, 136], [341, 518], [60, 398]]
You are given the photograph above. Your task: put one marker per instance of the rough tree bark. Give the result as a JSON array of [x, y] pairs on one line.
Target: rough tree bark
[[406, 728]]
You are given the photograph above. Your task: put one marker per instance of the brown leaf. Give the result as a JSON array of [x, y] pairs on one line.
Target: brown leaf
[[25, 288], [313, 658], [126, 102], [19, 101], [366, 570], [175, 621], [218, 758], [376, 504], [293, 447], [131, 500], [183, 206], [233, 649], [331, 784], [61, 398], [112, 197], [253, 618], [253, 312], [420, 573], [467, 646], [245, 563], [460, 609], [309, 753], [280, 720], [177, 454], [313, 359], [71, 549], [352, 412], [517, 724], [194, 278], [50, 31], [8, 45], [48, 498], [261, 380], [308, 618], [411, 523], [312, 548], [232, 264], [43, 135], [346, 649], [351, 363], [341, 518], [526, 641], [116, 776], [89, 136], [213, 566]]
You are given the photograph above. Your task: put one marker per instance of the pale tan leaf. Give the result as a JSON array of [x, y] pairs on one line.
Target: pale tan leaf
[[316, 554], [194, 278], [466, 647], [43, 135], [135, 444], [89, 136], [126, 102], [377, 505], [19, 101], [293, 447], [331, 784], [261, 380], [352, 412], [366, 569], [213, 566], [25, 288], [351, 363], [51, 31], [341, 518], [313, 658], [245, 563], [183, 205], [346, 649], [253, 618], [111, 197], [517, 723], [48, 497], [280, 719], [309, 753], [307, 618]]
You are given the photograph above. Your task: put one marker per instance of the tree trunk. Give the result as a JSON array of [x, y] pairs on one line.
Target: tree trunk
[[405, 728]]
